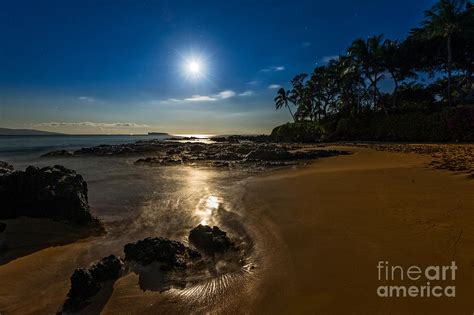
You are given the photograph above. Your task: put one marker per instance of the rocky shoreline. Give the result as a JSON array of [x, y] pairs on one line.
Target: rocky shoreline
[[458, 158], [158, 255], [222, 152]]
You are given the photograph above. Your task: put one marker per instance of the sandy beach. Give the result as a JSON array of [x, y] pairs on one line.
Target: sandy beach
[[334, 220], [318, 230]]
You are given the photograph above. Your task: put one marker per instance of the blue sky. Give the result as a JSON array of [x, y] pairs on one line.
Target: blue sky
[[115, 66]]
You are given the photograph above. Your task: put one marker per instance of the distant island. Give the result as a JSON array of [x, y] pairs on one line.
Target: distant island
[[27, 132], [158, 134]]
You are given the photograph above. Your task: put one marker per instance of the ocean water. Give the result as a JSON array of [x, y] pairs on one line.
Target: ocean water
[[21, 145], [139, 201]]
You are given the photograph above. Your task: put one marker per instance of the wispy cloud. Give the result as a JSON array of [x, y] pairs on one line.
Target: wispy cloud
[[326, 59], [86, 99], [246, 93], [253, 82], [274, 86], [273, 69], [91, 124], [305, 44], [211, 98], [201, 98], [225, 94]]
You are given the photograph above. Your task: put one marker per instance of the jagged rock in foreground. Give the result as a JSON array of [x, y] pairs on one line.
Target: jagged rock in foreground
[[49, 192], [3, 243], [5, 168], [170, 254], [108, 268], [3, 226], [210, 240], [83, 286], [85, 283]]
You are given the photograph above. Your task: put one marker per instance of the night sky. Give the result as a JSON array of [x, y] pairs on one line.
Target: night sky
[[111, 66]]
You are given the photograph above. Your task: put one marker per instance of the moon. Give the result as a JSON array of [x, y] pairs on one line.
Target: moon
[[194, 67]]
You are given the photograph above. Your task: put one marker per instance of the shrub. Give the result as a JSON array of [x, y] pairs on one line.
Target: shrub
[[449, 125], [305, 131]]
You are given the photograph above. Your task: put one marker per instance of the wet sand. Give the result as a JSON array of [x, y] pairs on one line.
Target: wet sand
[[318, 232]]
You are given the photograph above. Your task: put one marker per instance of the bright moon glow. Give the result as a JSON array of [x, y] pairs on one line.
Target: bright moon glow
[[194, 67]]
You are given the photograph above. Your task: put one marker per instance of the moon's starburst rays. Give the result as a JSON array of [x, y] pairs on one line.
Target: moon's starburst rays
[[195, 66]]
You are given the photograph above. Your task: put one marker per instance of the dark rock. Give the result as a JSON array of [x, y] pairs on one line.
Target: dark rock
[[58, 153], [249, 152], [3, 226], [171, 254], [52, 192], [269, 154], [87, 283], [5, 168], [240, 138], [210, 240], [196, 147], [108, 268], [165, 161], [3, 245], [225, 155], [83, 286], [242, 149]]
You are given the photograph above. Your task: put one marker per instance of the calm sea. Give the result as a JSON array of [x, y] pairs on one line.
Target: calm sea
[[37, 145]]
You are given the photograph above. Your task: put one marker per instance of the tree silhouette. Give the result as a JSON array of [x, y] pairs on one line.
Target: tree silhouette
[[282, 100], [443, 20]]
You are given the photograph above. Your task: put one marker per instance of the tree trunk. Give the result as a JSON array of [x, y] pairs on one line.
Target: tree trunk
[[291, 113], [374, 95], [450, 65], [395, 91]]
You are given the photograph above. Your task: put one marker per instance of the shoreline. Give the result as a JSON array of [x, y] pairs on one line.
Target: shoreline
[[306, 222]]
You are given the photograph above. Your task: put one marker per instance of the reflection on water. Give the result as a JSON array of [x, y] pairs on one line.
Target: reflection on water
[[205, 209], [197, 136], [142, 201], [180, 198]]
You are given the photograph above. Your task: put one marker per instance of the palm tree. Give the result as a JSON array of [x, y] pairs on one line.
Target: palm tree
[[369, 56], [298, 95], [351, 88], [395, 63], [324, 88], [443, 20], [282, 101]]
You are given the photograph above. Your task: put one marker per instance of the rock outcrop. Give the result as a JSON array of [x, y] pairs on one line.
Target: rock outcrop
[[170, 254], [5, 168], [108, 268], [85, 283], [83, 287], [210, 240], [50, 192], [58, 153], [139, 256]]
